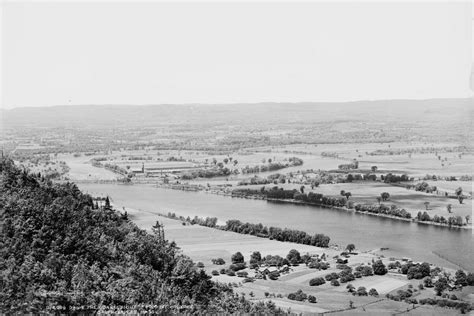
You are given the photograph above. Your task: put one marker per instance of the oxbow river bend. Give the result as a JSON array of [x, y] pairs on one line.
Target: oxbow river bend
[[404, 239]]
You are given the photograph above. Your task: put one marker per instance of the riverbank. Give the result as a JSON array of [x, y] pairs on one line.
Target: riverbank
[[230, 193], [402, 238]]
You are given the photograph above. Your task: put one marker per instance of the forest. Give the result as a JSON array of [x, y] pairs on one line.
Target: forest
[[61, 251]]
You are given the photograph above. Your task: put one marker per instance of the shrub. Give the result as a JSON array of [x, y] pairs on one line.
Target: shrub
[[237, 257], [316, 281], [253, 265], [335, 282], [230, 273], [367, 271], [361, 291], [344, 267], [222, 271], [428, 282], [237, 266], [394, 265], [200, 265], [311, 299], [298, 296], [346, 276], [373, 292], [218, 261], [331, 276], [242, 274], [215, 272], [273, 276]]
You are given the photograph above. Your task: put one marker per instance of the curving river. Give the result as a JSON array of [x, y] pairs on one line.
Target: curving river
[[404, 239]]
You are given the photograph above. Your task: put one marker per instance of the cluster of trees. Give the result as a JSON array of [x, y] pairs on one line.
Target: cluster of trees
[[317, 281], [450, 221], [272, 166], [353, 165], [218, 261], [207, 173], [361, 291], [318, 264], [115, 168], [402, 295], [347, 275], [425, 187], [254, 180], [57, 249], [296, 236], [463, 279], [300, 296], [207, 221], [365, 270], [311, 197], [393, 210], [464, 177], [393, 178], [416, 271], [417, 150], [463, 307]]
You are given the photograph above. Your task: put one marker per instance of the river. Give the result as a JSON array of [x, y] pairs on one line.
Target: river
[[404, 239]]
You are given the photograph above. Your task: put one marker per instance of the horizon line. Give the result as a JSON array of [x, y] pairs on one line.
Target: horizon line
[[6, 108]]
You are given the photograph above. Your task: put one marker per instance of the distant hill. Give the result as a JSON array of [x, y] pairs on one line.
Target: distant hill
[[234, 126], [156, 115]]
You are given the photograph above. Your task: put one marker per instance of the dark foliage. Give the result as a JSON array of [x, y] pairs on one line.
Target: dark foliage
[[276, 233], [58, 249]]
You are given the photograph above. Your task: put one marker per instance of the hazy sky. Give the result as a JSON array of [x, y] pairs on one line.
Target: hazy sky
[[150, 53]]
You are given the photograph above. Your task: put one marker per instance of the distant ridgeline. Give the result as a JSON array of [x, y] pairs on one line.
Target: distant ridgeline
[[61, 251]]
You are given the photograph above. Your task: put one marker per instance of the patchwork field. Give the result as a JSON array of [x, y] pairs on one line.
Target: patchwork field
[[203, 244]]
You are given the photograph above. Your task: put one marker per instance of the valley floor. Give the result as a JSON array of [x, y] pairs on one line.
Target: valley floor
[[203, 244]]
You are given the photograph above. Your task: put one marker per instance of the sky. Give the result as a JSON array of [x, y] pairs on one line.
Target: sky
[[156, 52]]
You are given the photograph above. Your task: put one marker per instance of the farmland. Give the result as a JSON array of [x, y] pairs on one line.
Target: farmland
[[203, 244]]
